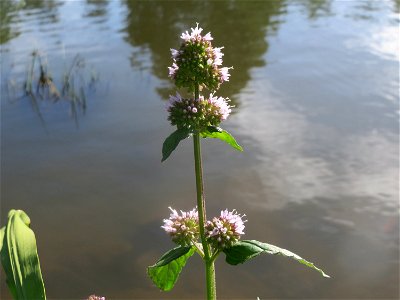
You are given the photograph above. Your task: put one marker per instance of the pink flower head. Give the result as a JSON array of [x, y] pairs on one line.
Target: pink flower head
[[183, 228], [225, 230]]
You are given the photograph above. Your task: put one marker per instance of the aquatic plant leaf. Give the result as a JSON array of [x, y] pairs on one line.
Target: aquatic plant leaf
[[2, 234], [166, 271], [5, 262], [223, 135], [247, 249], [173, 141], [19, 258]]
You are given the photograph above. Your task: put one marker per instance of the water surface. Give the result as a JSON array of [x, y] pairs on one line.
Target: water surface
[[316, 92]]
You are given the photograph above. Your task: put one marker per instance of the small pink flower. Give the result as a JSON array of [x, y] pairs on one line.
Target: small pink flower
[[174, 53], [172, 70], [217, 56], [208, 37], [224, 72]]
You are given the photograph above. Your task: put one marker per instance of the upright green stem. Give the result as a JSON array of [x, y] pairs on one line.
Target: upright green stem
[[200, 194], [209, 262]]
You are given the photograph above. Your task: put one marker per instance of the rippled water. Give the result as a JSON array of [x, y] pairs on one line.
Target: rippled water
[[316, 89]]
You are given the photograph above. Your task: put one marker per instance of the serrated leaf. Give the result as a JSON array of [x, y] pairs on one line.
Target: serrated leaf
[[173, 141], [20, 259], [166, 271], [223, 135], [247, 249]]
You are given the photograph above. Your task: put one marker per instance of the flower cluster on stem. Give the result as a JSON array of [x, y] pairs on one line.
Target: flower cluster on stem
[[183, 228], [197, 114], [225, 230], [197, 62], [222, 232]]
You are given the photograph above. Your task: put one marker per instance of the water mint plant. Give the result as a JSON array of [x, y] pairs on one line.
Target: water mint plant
[[197, 65]]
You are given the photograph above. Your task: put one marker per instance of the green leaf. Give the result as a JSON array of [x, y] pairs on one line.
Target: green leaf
[[245, 250], [166, 271], [214, 129], [172, 142], [19, 258], [2, 234], [223, 135]]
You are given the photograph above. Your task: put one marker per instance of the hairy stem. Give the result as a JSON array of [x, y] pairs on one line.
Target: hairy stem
[[209, 261]]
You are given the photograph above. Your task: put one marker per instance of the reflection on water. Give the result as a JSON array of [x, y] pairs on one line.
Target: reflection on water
[[316, 8], [97, 9], [315, 85]]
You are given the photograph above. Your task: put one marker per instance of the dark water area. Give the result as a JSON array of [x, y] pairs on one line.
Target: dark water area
[[315, 86]]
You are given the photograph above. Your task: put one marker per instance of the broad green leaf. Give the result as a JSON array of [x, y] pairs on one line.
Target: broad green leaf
[[166, 271], [172, 142], [245, 250], [20, 259], [223, 135]]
